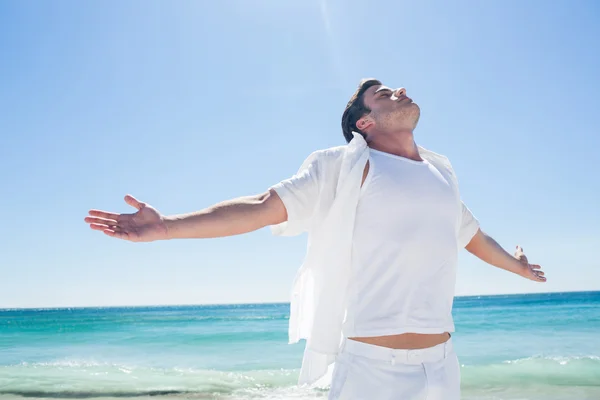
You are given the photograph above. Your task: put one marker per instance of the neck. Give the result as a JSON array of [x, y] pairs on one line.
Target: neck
[[400, 143]]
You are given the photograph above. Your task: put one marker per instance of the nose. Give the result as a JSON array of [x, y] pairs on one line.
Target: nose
[[400, 92]]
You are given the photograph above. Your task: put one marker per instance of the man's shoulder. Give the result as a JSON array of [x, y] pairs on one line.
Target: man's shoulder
[[331, 152], [327, 156], [433, 156]]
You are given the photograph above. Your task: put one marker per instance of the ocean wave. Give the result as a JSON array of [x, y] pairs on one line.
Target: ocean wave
[[553, 371], [81, 379], [88, 379]]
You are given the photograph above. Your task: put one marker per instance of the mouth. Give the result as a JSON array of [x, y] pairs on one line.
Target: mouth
[[405, 98]]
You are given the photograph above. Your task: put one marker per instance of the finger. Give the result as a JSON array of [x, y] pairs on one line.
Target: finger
[[518, 252], [535, 266], [538, 277], [132, 201], [539, 273], [104, 214], [101, 227], [101, 221], [117, 234]]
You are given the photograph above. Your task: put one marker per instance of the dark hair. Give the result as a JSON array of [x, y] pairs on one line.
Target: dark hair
[[356, 109]]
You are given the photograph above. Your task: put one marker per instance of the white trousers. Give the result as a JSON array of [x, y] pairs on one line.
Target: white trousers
[[368, 372]]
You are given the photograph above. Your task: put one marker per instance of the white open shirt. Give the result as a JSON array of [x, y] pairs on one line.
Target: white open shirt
[[321, 199]]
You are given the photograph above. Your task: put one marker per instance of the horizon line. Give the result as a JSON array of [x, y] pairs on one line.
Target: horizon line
[[267, 302]]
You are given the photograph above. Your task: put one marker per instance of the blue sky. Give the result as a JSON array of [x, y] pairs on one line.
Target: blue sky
[[187, 105]]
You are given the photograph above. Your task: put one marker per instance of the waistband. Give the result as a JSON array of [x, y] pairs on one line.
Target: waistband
[[398, 356]]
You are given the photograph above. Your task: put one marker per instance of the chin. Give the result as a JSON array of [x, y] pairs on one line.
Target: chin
[[415, 112]]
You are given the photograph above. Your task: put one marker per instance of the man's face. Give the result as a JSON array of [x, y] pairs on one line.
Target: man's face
[[391, 109]]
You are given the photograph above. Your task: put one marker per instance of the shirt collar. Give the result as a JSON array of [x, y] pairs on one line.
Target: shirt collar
[[359, 142]]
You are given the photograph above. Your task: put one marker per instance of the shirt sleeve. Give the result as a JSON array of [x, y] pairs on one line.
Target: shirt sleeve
[[299, 194], [469, 226]]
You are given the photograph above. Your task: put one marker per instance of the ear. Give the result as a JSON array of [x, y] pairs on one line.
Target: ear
[[365, 123]]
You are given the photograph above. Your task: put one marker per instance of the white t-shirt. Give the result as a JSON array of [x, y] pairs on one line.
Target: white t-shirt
[[404, 250], [322, 200]]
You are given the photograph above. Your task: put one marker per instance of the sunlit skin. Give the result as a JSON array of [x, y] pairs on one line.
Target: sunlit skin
[[390, 124]]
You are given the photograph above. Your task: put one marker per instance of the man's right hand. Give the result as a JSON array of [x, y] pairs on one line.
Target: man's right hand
[[146, 225]]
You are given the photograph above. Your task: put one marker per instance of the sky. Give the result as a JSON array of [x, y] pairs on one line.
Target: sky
[[185, 104]]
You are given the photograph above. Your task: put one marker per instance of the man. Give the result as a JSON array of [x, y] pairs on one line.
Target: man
[[385, 223]]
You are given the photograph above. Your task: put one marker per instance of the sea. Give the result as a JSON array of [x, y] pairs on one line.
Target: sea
[[527, 346]]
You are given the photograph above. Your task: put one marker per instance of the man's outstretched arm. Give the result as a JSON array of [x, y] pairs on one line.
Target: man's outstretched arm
[[228, 218], [488, 250]]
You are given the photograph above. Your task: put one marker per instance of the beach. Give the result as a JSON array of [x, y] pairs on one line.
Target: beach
[[534, 346]]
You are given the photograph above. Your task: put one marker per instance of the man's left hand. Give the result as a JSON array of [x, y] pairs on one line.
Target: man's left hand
[[529, 271]]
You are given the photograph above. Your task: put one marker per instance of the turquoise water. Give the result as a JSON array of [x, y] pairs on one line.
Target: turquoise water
[[537, 346]]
